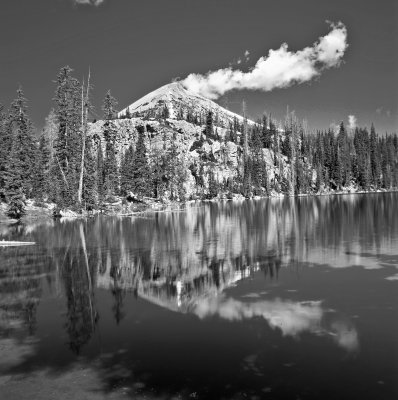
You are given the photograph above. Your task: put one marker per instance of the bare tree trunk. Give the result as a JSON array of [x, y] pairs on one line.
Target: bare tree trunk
[[84, 133], [62, 172], [90, 286]]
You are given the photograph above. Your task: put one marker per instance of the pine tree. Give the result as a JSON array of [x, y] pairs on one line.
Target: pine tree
[[374, 158], [165, 112], [100, 175], [111, 182], [110, 135], [68, 144], [319, 177], [14, 181], [126, 171], [266, 134], [140, 182], [257, 161], [171, 164], [22, 133], [344, 156], [42, 170], [274, 133], [213, 185], [209, 129], [181, 174], [287, 142], [109, 106], [5, 148], [90, 194], [235, 131], [157, 169]]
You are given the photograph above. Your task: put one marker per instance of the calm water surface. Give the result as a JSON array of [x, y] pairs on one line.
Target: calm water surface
[[282, 298]]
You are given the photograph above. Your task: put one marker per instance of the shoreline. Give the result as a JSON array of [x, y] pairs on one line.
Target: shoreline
[[34, 213]]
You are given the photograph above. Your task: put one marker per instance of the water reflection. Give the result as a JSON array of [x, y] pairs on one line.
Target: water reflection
[[187, 262], [81, 315], [175, 258], [291, 318], [345, 335], [21, 289]]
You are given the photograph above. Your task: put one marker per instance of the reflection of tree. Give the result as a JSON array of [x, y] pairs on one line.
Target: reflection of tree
[[177, 257], [118, 294], [271, 268], [21, 271], [77, 276]]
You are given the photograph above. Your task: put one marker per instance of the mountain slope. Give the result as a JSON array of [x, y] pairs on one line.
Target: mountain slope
[[179, 101], [203, 157]]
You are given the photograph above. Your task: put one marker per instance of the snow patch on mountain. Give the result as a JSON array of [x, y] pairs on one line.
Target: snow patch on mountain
[[176, 97]]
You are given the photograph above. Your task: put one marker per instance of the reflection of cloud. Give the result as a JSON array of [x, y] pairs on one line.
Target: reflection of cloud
[[290, 317], [345, 336]]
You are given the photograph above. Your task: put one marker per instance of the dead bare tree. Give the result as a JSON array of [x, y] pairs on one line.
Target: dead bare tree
[[84, 117]]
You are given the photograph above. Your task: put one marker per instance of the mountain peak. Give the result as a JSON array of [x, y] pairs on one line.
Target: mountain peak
[[179, 101]]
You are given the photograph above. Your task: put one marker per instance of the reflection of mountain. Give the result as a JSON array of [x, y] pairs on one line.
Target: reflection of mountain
[[180, 259], [177, 257]]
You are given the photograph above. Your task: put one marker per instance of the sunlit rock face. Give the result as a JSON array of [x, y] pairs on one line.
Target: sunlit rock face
[[220, 156]]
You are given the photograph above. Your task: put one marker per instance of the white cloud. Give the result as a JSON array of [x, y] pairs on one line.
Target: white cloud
[[90, 2], [280, 69], [352, 121]]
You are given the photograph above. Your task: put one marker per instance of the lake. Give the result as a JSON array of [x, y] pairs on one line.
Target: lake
[[291, 298]]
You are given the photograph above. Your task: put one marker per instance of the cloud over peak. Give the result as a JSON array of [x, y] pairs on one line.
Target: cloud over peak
[[280, 69]]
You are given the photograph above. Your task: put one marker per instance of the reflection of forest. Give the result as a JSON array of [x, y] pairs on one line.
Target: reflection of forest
[[20, 289], [177, 258]]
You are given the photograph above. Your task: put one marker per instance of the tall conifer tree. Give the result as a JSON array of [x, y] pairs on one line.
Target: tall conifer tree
[[140, 182], [111, 173]]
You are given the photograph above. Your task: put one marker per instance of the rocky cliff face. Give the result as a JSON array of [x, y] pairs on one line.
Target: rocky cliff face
[[185, 123]]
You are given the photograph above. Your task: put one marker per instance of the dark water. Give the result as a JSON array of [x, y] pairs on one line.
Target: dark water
[[286, 298]]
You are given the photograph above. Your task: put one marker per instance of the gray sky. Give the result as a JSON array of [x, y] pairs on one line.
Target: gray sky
[[133, 47]]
